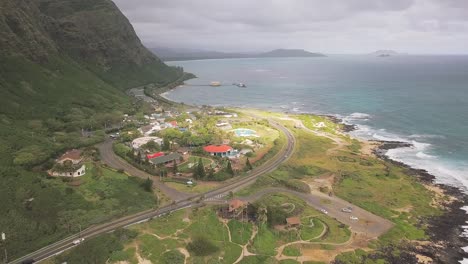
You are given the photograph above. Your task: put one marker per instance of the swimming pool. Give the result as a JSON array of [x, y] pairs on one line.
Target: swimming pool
[[245, 132]]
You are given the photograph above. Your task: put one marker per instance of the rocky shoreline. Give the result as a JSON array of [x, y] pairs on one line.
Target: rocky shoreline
[[445, 230]]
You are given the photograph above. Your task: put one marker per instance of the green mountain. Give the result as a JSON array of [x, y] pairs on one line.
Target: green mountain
[[47, 45], [277, 53], [65, 66], [168, 54]]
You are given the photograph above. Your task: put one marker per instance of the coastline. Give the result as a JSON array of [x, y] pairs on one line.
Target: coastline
[[445, 231]]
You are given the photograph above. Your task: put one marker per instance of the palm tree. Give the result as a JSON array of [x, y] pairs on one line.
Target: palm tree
[[262, 215]]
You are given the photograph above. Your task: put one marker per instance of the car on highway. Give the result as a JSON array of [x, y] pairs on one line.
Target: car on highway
[[78, 241], [324, 211], [347, 209], [353, 218]]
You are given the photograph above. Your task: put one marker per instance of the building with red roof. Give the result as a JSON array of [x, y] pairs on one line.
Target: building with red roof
[[219, 150], [173, 123], [155, 155]]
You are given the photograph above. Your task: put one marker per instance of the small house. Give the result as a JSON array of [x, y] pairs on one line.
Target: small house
[[293, 221], [219, 150], [69, 164]]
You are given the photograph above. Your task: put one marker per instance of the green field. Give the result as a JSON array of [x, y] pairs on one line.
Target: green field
[[193, 160]]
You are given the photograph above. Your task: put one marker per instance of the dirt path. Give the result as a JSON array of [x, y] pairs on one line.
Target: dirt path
[[245, 251]]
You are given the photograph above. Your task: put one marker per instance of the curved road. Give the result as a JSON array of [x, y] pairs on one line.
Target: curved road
[[110, 158], [236, 183]]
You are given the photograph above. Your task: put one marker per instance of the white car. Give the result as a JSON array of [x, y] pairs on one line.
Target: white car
[[346, 210], [353, 218], [324, 211], [78, 241]]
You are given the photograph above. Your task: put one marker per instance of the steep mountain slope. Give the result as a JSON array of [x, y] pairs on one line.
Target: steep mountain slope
[[54, 41], [64, 68]]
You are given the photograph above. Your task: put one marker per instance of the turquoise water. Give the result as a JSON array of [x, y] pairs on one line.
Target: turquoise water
[[419, 99], [244, 132]]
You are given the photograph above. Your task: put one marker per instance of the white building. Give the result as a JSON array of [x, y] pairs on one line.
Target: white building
[[138, 142], [69, 165]]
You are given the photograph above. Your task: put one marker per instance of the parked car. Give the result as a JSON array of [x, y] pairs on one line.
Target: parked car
[[354, 218], [324, 211]]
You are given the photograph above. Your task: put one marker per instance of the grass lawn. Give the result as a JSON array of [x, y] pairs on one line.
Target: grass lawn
[[311, 228], [265, 242], [292, 251], [152, 248], [206, 223], [198, 188], [289, 261], [258, 260], [184, 167], [165, 225], [240, 232]]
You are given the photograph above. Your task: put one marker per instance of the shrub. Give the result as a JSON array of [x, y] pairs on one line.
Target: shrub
[[297, 185], [201, 246], [173, 257]]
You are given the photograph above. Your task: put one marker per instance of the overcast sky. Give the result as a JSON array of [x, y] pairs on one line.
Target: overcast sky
[[328, 26]]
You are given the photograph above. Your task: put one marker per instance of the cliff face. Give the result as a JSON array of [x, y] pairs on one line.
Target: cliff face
[[93, 33], [22, 31]]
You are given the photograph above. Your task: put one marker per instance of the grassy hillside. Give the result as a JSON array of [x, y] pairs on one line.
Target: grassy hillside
[[65, 66]]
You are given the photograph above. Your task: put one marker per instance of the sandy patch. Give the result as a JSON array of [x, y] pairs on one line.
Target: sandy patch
[[325, 180], [440, 199], [368, 147]]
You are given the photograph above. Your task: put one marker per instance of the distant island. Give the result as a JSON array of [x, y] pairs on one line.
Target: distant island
[[168, 54], [385, 53]]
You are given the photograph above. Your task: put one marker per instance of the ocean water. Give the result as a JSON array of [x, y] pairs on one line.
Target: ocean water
[[417, 99]]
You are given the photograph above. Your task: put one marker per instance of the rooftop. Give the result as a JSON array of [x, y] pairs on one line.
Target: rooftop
[[217, 148], [74, 154], [155, 155], [235, 204], [293, 220], [164, 159]]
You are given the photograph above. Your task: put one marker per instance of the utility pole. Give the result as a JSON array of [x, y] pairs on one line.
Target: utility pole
[[80, 231], [4, 245]]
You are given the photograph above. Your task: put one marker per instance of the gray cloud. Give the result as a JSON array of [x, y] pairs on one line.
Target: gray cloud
[[332, 26]]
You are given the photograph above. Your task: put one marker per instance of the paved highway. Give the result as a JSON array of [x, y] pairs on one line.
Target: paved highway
[[234, 184]]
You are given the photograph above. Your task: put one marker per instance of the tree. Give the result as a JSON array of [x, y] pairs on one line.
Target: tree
[[152, 146], [201, 169], [201, 246], [174, 168], [211, 173], [148, 185], [229, 168], [247, 164], [166, 144], [262, 213]]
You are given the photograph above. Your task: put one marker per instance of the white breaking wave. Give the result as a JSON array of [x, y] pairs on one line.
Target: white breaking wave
[[425, 136], [417, 156]]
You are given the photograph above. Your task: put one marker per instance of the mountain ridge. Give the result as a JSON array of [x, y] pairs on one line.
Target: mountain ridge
[[168, 54]]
